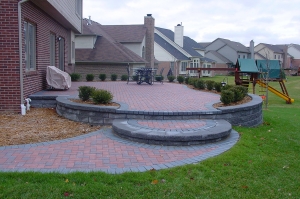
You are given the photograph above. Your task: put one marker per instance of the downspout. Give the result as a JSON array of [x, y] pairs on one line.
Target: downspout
[[20, 48]]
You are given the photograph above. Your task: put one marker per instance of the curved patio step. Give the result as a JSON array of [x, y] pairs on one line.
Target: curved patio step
[[172, 132]]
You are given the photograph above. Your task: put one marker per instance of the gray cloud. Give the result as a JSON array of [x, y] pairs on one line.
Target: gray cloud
[[268, 21]]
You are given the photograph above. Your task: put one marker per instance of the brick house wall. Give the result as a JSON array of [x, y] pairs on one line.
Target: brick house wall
[[33, 81], [9, 57], [96, 69], [219, 72], [166, 66]]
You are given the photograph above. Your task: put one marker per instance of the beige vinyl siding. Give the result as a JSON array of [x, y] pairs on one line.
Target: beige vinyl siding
[[85, 42], [69, 10]]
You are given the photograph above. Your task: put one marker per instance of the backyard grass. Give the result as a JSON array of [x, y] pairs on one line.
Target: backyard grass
[[264, 163]]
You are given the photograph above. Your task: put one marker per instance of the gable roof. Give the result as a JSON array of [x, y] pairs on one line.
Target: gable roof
[[296, 46], [218, 55], [274, 48], [126, 33], [189, 45], [169, 48], [235, 45], [107, 49]]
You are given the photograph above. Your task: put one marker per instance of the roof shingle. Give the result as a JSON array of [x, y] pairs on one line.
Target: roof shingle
[[107, 49]]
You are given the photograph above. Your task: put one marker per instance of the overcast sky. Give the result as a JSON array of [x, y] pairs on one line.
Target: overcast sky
[[264, 21]]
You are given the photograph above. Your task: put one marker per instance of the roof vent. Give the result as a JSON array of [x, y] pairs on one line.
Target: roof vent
[[89, 21], [149, 15]]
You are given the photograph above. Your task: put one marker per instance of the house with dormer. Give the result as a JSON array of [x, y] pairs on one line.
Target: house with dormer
[[110, 49], [293, 51], [35, 34], [225, 52], [265, 51], [176, 52]]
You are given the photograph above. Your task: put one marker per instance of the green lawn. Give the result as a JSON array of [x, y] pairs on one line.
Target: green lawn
[[265, 163]]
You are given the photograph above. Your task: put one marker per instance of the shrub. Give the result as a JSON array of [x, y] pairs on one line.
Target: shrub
[[102, 77], [85, 92], [227, 96], [89, 77], [209, 84], [171, 78], [124, 77], [192, 80], [186, 80], [113, 77], [227, 87], [243, 89], [100, 96], [200, 84], [218, 86], [180, 79], [75, 77], [159, 78], [238, 95]]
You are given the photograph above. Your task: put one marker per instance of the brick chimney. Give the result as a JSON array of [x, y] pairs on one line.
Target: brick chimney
[[149, 48], [285, 63], [252, 49], [178, 36]]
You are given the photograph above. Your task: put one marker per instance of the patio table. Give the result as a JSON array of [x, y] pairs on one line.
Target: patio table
[[145, 75]]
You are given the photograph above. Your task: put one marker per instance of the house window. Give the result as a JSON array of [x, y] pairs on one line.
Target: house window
[[61, 53], [194, 64], [278, 56], [73, 50], [183, 66], [244, 56], [274, 56], [239, 56], [208, 66], [52, 49], [172, 66], [78, 7], [30, 46], [143, 52]]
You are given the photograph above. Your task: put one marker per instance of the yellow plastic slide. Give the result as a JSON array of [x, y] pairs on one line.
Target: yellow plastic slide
[[276, 92]]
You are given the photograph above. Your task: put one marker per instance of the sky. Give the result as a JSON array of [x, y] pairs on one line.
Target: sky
[[263, 21]]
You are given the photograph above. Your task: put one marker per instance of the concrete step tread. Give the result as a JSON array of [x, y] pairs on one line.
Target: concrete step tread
[[172, 132]]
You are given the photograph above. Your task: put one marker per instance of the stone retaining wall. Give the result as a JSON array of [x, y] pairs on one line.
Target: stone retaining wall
[[248, 114]]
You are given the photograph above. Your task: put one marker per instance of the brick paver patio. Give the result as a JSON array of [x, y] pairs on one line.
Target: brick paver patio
[[104, 151]]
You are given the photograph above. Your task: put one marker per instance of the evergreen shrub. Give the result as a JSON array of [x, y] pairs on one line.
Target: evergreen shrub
[[85, 92], [100, 96], [89, 77], [102, 77]]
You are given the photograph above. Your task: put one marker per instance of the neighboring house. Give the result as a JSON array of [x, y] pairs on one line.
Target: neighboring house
[[294, 56], [225, 52], [34, 34], [177, 52], [110, 49], [271, 52]]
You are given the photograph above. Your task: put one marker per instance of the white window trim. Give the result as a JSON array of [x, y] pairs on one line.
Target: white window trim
[[181, 67], [194, 64], [30, 46]]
